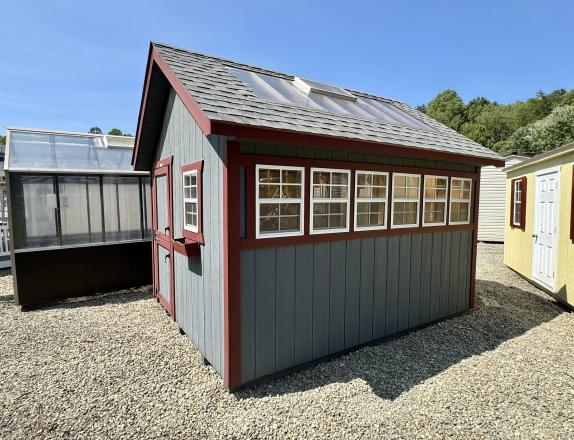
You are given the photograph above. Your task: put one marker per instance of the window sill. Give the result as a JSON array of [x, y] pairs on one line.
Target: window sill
[[185, 247]]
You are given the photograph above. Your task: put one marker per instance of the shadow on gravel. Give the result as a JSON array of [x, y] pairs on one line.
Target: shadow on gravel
[[394, 367], [119, 297]]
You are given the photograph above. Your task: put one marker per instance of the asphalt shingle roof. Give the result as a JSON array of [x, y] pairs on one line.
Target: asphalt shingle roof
[[224, 97]]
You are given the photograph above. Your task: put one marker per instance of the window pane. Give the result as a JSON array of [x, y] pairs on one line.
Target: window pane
[[269, 191], [129, 203], [74, 209], [289, 223], [517, 213], [364, 193], [404, 213], [111, 214], [290, 209], [269, 175], [370, 214], [147, 206], [291, 191], [321, 192], [34, 216], [291, 176], [379, 193], [339, 178], [338, 192], [459, 212], [380, 180], [434, 212], [269, 209], [320, 177], [268, 224]]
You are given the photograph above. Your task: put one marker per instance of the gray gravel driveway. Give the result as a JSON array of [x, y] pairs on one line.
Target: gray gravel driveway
[[116, 367]]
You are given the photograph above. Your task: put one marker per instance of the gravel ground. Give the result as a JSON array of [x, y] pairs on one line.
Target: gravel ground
[[116, 367]]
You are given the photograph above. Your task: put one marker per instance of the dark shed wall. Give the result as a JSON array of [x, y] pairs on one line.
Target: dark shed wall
[[300, 303], [198, 279], [46, 275]]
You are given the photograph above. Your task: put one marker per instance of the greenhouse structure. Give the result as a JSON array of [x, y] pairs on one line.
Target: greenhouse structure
[[78, 215]]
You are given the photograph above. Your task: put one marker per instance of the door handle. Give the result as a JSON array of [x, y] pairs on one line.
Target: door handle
[[534, 235]]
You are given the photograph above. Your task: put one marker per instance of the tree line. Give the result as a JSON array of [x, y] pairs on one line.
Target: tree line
[[529, 127], [113, 131]]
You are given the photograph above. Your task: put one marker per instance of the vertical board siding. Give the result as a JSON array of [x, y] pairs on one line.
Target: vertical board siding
[[366, 296], [304, 270], [337, 297], [265, 312], [285, 307], [352, 286], [380, 288], [303, 302], [321, 284], [199, 279]]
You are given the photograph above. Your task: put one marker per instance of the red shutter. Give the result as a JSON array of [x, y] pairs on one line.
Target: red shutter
[[523, 203]]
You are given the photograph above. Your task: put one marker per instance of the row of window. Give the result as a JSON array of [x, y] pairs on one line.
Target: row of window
[[280, 200]]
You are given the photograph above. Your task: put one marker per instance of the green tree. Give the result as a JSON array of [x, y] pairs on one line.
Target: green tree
[[115, 132], [475, 107], [447, 107], [2, 140], [96, 130], [548, 133]]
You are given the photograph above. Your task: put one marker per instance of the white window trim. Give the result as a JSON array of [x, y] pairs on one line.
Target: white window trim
[[514, 192], [450, 222], [313, 200], [195, 200], [445, 200], [191, 200], [258, 201], [393, 200], [375, 200]]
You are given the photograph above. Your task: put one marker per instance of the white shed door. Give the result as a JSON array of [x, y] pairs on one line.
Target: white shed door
[[545, 229]]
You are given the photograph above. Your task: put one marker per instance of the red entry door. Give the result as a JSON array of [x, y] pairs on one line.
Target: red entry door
[[162, 201]]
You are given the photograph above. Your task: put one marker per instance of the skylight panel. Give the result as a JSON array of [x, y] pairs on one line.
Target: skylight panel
[[308, 86]]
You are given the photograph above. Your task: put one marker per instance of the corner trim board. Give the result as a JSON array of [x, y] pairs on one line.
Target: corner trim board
[[231, 268]]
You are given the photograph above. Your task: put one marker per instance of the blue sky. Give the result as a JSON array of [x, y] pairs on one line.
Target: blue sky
[[71, 65]]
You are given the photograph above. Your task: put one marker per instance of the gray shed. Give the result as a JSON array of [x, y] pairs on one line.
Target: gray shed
[[295, 220]]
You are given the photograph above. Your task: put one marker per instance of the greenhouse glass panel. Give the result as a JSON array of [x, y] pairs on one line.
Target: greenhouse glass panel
[[36, 206], [129, 206], [57, 152], [80, 209]]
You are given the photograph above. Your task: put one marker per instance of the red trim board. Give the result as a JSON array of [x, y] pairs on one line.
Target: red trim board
[[231, 268], [290, 137]]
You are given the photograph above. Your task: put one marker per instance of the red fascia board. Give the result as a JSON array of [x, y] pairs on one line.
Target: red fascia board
[[333, 142], [154, 58]]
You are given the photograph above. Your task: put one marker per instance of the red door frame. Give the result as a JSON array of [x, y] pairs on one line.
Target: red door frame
[[164, 238]]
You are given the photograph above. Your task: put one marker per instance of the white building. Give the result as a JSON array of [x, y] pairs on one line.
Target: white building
[[492, 203]]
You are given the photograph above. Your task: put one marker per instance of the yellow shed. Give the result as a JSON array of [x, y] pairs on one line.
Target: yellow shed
[[539, 234]]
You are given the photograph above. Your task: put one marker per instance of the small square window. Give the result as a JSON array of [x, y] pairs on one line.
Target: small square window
[[279, 201], [370, 200], [460, 197], [405, 200]]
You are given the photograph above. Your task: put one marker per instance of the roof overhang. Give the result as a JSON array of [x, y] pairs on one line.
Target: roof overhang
[[159, 78]]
